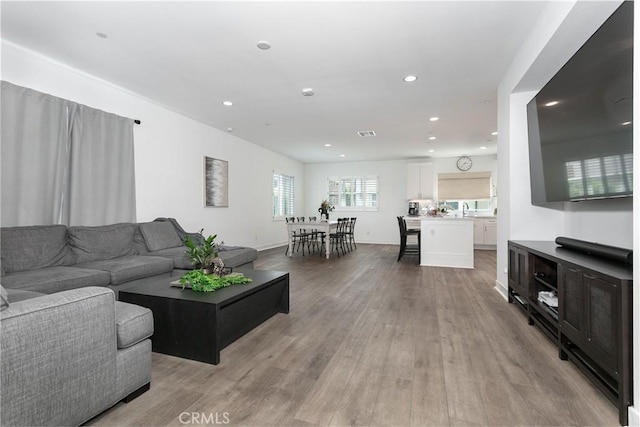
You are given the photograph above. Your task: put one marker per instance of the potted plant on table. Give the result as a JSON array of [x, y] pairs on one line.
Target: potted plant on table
[[209, 274], [203, 254]]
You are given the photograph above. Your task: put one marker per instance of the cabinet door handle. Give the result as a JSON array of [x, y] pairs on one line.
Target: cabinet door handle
[[588, 276]]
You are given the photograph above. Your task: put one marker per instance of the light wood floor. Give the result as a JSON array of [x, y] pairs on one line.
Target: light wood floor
[[372, 341]]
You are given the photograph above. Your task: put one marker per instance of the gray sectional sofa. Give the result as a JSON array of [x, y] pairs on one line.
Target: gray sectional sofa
[[68, 356], [54, 258], [69, 350]]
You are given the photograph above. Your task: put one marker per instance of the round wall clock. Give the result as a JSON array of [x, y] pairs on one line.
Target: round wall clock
[[464, 163]]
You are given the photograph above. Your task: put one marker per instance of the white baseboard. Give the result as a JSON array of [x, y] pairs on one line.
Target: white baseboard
[[502, 289], [634, 417], [270, 246]]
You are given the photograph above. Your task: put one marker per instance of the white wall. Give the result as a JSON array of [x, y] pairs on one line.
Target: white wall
[[380, 226], [561, 29], [169, 148]]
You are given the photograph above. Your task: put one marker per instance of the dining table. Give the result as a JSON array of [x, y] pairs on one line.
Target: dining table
[[325, 226]]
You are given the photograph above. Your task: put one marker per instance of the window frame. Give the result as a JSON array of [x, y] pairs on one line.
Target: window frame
[[282, 204], [364, 200]]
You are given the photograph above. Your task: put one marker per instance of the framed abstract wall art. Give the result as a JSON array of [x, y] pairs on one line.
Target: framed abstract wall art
[[216, 182]]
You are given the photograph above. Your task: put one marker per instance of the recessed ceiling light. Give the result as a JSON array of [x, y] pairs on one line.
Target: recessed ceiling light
[[327, 145], [486, 101], [229, 129], [625, 123], [227, 103], [434, 118], [343, 155], [483, 148], [264, 45], [431, 151], [494, 133], [410, 78], [307, 91], [102, 35], [432, 138], [551, 104]]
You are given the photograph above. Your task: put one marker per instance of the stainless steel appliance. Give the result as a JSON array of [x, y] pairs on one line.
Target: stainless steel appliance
[[414, 208]]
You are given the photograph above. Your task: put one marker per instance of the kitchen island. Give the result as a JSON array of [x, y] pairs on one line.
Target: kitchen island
[[446, 241]]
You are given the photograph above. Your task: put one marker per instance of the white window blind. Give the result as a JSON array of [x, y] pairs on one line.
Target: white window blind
[[463, 186], [353, 192], [283, 195]]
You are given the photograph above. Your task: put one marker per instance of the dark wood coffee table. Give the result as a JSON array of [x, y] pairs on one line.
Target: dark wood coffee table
[[198, 325]]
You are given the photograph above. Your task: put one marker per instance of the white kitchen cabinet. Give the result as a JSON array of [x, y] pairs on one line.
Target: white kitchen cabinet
[[485, 233], [490, 231], [419, 181]]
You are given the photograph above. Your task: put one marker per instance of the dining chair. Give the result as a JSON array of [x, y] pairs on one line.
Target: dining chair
[[406, 249], [316, 238], [298, 237], [349, 233], [337, 239]]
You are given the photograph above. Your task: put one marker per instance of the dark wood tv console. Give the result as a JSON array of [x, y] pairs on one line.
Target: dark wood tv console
[[592, 323]]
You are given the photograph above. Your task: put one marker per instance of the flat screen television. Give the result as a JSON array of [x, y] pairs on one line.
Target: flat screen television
[[580, 123]]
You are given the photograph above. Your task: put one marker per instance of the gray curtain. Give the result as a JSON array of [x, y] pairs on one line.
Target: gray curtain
[[102, 168], [34, 156], [64, 163]]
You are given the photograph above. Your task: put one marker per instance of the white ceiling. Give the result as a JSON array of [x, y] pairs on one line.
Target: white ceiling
[[191, 56]]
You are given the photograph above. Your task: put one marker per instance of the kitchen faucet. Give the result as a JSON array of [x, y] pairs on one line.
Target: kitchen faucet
[[464, 205]]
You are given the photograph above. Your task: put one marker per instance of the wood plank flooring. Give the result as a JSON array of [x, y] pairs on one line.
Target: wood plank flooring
[[372, 341]]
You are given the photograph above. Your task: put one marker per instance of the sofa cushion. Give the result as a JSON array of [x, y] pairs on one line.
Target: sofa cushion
[[180, 259], [160, 235], [133, 324], [102, 242], [32, 247], [132, 267], [139, 243], [55, 279], [234, 256]]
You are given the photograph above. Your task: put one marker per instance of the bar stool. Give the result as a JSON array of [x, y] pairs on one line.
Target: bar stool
[[404, 248]]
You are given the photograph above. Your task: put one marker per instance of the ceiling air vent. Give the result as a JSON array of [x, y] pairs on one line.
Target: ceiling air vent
[[366, 133]]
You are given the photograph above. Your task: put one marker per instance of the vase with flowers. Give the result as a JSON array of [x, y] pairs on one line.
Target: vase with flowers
[[325, 208]]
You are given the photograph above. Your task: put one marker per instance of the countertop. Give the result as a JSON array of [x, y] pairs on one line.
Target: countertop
[[421, 217]]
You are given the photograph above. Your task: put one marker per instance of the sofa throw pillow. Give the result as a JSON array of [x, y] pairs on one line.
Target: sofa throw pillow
[[160, 235], [33, 247], [4, 298], [102, 242]]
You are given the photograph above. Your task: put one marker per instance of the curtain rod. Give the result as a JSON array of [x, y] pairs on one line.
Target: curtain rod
[[138, 122]]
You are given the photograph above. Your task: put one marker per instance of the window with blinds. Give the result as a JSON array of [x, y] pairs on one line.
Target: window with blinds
[[464, 186], [353, 193], [283, 195]]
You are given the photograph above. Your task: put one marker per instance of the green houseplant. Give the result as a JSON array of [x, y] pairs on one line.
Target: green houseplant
[[199, 281], [208, 275], [203, 252]]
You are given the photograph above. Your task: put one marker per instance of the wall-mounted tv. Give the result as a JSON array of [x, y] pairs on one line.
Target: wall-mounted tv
[[580, 123]]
